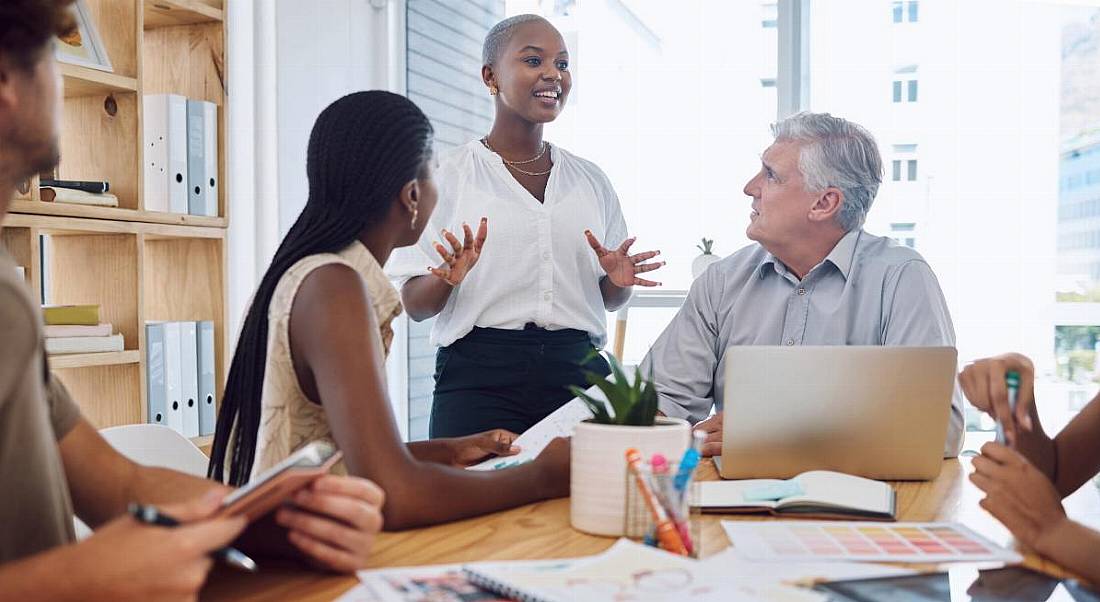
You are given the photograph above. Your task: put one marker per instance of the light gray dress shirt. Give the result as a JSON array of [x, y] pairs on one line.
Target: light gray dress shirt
[[868, 291]]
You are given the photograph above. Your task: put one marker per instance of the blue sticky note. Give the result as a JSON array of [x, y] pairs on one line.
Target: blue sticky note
[[774, 491]]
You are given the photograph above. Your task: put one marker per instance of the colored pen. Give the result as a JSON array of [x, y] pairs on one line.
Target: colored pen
[[666, 530], [151, 516], [1012, 384], [689, 462], [670, 498]]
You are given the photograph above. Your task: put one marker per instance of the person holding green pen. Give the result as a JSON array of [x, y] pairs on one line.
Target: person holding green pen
[[1026, 478]]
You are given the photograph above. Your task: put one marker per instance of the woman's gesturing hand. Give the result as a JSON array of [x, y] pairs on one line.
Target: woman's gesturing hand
[[621, 267], [460, 258]]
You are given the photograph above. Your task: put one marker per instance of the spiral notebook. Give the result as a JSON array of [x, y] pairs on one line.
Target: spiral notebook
[[626, 571]]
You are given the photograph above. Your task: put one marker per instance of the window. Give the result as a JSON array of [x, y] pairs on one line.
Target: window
[[905, 11], [904, 234], [904, 166], [771, 15], [905, 84], [1048, 304]]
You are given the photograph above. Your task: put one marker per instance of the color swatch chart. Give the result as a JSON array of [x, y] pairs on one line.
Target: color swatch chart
[[894, 542]]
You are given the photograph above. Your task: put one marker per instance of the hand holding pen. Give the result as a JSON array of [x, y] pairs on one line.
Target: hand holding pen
[[126, 560], [229, 555], [1004, 388]]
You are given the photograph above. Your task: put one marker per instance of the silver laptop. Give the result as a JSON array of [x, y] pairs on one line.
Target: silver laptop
[[877, 412]]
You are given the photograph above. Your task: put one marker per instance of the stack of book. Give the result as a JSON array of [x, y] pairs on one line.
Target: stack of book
[[77, 329]]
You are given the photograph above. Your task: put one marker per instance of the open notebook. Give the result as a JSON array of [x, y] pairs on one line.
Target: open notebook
[[818, 493]]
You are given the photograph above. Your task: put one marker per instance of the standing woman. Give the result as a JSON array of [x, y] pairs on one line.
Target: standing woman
[[519, 315]]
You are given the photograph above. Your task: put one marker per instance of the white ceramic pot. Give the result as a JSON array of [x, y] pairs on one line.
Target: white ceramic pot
[[598, 471], [701, 263]]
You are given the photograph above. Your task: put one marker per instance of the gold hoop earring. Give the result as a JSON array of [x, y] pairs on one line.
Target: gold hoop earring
[[493, 91], [412, 224]]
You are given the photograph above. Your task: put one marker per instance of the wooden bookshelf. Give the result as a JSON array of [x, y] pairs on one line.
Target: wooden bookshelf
[[137, 265]]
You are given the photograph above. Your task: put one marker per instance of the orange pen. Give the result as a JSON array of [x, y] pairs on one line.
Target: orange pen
[[666, 529]]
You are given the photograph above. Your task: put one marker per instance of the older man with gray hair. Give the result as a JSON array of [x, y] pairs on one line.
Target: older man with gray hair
[[814, 277]]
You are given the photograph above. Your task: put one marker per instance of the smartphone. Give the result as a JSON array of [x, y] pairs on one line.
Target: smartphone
[[275, 485], [962, 584]]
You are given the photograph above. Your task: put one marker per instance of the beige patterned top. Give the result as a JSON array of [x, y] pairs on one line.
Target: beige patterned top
[[288, 419]]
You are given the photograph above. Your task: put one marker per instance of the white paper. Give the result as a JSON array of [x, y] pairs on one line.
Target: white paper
[[632, 571], [728, 565], [818, 541], [560, 423]]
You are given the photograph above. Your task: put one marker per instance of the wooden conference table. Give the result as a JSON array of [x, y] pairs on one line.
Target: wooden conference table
[[542, 531]]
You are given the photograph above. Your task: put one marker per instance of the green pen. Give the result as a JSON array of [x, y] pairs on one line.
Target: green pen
[[1012, 384]]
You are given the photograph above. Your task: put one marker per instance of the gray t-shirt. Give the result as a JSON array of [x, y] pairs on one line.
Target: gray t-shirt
[[867, 291], [35, 413]]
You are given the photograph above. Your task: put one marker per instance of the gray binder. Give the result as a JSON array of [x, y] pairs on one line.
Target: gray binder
[[208, 409], [196, 158], [156, 387]]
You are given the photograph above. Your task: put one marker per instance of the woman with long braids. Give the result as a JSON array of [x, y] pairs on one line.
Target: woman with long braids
[[310, 360], [523, 325]]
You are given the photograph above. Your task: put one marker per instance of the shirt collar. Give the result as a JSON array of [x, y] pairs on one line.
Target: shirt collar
[[842, 256], [387, 300]]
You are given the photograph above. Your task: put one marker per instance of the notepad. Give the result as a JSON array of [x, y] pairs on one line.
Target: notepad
[[818, 493]]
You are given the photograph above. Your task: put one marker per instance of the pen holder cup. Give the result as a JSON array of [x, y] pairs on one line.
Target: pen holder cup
[[639, 520]]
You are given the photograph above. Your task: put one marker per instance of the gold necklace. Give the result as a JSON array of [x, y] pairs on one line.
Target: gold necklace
[[513, 164]]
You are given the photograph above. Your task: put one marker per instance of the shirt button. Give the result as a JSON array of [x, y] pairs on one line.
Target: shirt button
[[801, 291], [790, 342], [546, 296]]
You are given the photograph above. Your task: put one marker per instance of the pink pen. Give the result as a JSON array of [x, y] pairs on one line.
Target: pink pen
[[667, 496]]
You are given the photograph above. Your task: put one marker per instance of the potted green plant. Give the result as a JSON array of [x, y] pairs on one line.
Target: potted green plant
[[624, 413], [702, 262]]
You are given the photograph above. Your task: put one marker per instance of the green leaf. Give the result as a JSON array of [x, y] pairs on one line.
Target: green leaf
[[598, 409], [618, 404], [621, 382]]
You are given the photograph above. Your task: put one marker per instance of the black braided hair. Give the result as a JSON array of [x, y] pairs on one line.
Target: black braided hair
[[363, 149]]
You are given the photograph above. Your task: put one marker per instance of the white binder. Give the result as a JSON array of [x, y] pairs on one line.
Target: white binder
[[210, 156], [208, 409], [165, 152], [173, 378], [196, 162], [189, 377]]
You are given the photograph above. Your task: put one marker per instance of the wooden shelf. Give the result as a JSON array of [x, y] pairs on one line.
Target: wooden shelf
[[164, 13], [115, 213], [87, 360], [84, 81]]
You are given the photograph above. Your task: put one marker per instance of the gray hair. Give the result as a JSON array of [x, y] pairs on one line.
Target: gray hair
[[836, 152], [498, 36]]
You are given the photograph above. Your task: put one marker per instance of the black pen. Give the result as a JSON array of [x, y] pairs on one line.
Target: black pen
[[93, 187], [230, 555]]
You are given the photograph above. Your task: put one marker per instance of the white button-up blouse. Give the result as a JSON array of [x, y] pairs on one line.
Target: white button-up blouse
[[536, 265]]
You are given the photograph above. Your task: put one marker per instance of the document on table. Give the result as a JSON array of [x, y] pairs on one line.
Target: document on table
[[788, 541], [531, 443]]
